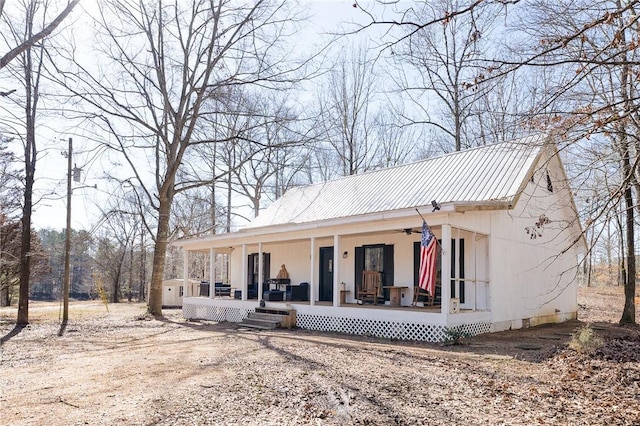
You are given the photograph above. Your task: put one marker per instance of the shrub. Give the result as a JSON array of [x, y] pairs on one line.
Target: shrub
[[585, 340], [453, 335]]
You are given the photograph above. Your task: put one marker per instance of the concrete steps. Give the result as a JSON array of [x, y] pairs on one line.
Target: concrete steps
[[270, 318]]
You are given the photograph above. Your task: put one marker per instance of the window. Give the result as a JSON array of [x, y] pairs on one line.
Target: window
[[373, 258], [181, 291], [549, 184]]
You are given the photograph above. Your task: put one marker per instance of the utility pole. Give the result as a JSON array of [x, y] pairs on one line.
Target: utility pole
[[67, 241], [1, 291]]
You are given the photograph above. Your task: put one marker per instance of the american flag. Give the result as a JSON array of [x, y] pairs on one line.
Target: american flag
[[428, 248]]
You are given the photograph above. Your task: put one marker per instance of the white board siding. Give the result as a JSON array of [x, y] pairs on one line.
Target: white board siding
[[529, 277]]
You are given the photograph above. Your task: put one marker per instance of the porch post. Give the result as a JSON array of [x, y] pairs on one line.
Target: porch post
[[456, 265], [312, 275], [185, 273], [475, 271], [260, 277], [445, 268], [245, 271], [336, 270], [212, 273]]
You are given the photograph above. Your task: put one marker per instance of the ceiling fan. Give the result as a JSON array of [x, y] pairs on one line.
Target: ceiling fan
[[410, 231]]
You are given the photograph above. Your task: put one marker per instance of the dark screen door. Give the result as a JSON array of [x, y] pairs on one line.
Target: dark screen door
[[326, 274]]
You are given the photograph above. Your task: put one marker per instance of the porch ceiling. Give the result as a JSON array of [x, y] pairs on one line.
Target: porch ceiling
[[226, 243]]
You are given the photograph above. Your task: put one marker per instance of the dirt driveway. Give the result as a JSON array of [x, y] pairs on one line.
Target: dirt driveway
[[118, 367]]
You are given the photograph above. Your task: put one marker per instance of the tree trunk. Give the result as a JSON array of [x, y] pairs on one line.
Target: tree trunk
[[25, 246], [626, 93], [161, 243], [116, 289], [130, 289], [4, 297], [622, 272], [143, 267], [228, 224], [4, 279], [629, 311], [30, 169]]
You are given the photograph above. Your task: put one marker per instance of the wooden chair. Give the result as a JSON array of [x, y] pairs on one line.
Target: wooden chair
[[418, 292], [370, 287]]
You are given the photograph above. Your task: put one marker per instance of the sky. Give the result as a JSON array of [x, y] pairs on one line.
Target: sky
[[326, 16]]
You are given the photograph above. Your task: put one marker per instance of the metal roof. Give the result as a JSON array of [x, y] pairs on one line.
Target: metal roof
[[491, 173]]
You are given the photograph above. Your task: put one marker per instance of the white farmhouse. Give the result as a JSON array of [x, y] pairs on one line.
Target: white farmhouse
[[509, 237]]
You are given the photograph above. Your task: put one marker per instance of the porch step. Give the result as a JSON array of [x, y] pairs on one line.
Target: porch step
[[266, 316], [270, 318], [260, 323]]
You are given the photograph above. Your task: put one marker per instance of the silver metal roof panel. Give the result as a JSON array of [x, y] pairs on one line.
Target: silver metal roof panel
[[487, 173]]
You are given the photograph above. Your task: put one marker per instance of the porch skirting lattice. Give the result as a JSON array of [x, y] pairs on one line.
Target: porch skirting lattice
[[386, 329], [215, 313]]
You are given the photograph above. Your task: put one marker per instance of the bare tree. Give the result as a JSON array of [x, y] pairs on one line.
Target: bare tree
[[439, 66], [597, 45], [166, 59], [27, 70], [346, 101], [9, 259], [191, 215], [270, 171], [233, 122], [396, 141], [115, 244], [47, 270]]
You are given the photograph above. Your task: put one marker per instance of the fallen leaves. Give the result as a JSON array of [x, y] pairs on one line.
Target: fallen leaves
[[119, 369]]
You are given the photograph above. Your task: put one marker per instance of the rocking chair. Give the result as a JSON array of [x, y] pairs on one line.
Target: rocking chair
[[370, 287], [419, 292]]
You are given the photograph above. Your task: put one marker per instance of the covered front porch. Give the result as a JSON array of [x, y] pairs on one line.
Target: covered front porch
[[330, 267]]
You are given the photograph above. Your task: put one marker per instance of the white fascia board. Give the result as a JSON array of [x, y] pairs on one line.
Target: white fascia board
[[469, 206]]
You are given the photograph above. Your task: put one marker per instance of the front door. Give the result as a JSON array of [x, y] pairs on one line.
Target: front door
[[326, 275]]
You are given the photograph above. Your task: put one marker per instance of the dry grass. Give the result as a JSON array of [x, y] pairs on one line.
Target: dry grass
[[114, 368]]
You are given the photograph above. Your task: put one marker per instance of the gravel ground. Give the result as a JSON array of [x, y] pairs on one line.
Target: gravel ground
[[119, 367]]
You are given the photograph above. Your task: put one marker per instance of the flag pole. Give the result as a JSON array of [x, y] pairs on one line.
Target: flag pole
[[423, 219]]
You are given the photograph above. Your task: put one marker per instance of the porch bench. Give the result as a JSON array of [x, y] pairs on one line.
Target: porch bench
[[222, 290], [298, 292], [273, 295]]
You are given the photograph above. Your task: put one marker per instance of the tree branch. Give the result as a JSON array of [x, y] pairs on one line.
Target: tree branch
[[13, 53]]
